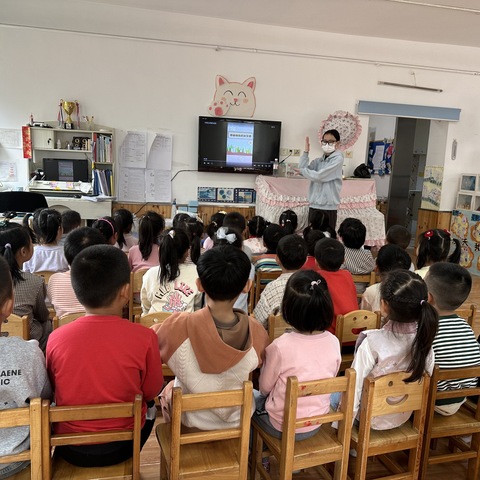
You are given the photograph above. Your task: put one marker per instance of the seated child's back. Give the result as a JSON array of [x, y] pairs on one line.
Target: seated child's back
[[217, 347], [329, 254], [455, 345]]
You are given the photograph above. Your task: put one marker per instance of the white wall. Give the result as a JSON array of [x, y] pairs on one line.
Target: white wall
[[142, 83]]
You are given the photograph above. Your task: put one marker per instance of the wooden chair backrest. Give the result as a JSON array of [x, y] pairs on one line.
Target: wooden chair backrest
[[205, 401], [350, 325], [369, 278], [26, 416], [15, 326], [277, 326], [260, 282], [136, 279], [468, 313], [251, 298], [55, 414], [59, 322], [151, 319], [45, 275], [296, 390]]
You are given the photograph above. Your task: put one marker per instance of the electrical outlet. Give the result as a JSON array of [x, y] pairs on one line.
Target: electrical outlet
[[284, 152], [296, 152], [348, 154]]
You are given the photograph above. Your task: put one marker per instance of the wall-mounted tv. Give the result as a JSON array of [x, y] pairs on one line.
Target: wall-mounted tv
[[237, 145]]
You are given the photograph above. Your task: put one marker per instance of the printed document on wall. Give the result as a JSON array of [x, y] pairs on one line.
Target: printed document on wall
[[131, 185], [160, 155], [133, 151], [158, 186]]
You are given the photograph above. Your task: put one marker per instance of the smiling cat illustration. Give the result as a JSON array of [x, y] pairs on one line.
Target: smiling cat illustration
[[236, 99]]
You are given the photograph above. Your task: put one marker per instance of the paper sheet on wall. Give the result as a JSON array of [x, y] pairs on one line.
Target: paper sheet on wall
[[378, 156], [158, 186], [8, 172], [160, 155], [10, 138], [133, 152], [131, 184]]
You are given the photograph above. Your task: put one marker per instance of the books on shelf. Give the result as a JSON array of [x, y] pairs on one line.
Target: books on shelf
[[102, 148], [102, 182]]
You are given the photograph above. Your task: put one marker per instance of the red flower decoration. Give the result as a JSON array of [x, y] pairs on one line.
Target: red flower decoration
[[428, 234]]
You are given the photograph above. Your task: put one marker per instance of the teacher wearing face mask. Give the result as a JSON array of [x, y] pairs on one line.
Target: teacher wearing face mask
[[325, 175]]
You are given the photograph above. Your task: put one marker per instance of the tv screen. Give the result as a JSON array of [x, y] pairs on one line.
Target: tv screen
[[237, 145], [66, 170]]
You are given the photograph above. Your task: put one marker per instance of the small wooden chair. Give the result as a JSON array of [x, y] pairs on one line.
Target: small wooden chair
[[251, 298], [326, 446], [349, 327], [468, 313], [45, 275], [15, 326], [367, 278], [277, 326], [136, 279], [155, 319], [262, 279], [214, 453], [390, 394], [26, 416], [59, 322], [463, 423], [57, 468]]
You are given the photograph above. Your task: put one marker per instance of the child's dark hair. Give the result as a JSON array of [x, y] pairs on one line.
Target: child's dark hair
[[449, 284], [223, 272], [49, 222], [334, 133], [194, 229], [311, 238], [289, 221], [180, 219], [13, 237], [228, 236], [292, 252], [150, 227], [319, 221], [399, 235], [106, 225], [98, 273], [123, 224], [79, 239], [34, 231], [407, 297], [70, 220], [174, 246], [353, 233], [235, 220], [6, 287], [434, 246], [392, 257], [216, 221], [329, 254], [271, 236], [307, 305], [256, 226]]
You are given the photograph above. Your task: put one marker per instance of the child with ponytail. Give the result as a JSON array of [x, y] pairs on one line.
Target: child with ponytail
[[171, 287], [434, 246], [124, 224], [145, 254], [309, 352], [216, 221], [256, 226], [403, 344], [16, 248], [107, 228], [48, 255]]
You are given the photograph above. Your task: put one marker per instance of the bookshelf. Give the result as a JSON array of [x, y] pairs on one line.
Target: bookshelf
[[96, 146]]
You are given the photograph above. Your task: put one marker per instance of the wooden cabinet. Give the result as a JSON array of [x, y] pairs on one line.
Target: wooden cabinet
[[430, 219]]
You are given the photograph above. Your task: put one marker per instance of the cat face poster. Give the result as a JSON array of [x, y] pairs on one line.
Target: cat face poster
[[233, 98]]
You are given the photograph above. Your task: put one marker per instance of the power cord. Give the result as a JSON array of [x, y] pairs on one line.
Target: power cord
[[288, 156], [173, 178]]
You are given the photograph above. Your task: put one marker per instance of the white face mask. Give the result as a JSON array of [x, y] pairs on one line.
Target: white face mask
[[328, 148]]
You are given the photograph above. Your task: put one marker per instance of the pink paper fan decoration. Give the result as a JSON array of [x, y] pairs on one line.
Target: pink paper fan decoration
[[348, 126]]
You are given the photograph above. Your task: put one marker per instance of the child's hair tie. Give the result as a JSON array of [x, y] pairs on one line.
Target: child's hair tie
[[447, 231], [222, 235], [315, 283], [171, 233], [8, 245], [422, 302], [428, 234]]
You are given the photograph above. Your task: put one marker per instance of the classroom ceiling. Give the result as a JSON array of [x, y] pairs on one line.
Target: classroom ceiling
[[455, 22]]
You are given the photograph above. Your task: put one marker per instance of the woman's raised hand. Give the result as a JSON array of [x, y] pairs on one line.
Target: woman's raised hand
[[307, 144]]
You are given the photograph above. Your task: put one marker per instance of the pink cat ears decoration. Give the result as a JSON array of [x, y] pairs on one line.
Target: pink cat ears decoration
[[348, 126], [233, 98]]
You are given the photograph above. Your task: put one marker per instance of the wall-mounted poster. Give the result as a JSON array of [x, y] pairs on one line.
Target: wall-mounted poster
[[432, 188], [233, 98]]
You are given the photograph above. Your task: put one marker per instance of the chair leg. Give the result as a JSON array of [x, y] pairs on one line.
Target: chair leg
[[424, 458], [474, 463], [361, 462], [254, 454], [163, 467], [414, 457]]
